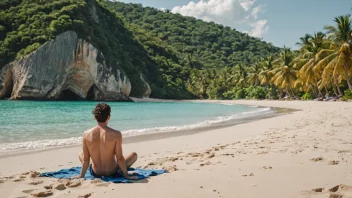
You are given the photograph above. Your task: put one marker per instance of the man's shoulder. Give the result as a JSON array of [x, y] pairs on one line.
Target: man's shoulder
[[88, 132], [115, 133]]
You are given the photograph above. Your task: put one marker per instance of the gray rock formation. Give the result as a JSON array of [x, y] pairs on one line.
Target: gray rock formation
[[147, 89], [66, 68]]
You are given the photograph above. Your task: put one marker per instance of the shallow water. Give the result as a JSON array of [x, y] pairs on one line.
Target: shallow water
[[35, 125]]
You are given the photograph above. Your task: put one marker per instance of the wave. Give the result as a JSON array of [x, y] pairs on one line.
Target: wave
[[46, 144]]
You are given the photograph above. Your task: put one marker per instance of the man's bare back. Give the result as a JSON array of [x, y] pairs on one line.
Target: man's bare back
[[103, 145]]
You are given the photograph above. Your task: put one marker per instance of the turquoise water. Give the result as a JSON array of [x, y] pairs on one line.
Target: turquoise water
[[35, 125]]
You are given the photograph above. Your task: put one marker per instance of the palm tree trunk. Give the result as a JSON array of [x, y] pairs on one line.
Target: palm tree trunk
[[320, 94], [348, 77], [314, 92], [333, 87], [337, 86], [326, 90], [293, 94]]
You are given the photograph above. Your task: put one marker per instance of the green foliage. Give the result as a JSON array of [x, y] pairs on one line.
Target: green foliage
[[199, 44], [236, 93], [272, 93], [307, 96], [347, 95], [253, 92]]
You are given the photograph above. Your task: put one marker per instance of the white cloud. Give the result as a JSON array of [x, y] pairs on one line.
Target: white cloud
[[259, 28], [247, 4], [163, 9], [229, 13], [256, 11]]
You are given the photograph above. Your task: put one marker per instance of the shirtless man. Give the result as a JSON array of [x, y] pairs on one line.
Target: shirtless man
[[103, 145]]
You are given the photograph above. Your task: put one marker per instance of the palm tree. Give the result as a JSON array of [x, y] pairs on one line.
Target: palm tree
[[303, 41], [284, 72], [339, 55], [266, 75], [309, 75], [254, 73], [241, 75]]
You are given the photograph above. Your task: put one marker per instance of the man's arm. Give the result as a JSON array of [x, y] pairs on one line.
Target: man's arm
[[85, 160], [119, 156]]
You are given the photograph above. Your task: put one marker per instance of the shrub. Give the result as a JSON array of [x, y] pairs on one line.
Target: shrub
[[307, 96], [255, 92], [235, 94], [347, 95]]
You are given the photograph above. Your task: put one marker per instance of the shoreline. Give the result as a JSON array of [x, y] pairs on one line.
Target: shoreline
[[168, 134]]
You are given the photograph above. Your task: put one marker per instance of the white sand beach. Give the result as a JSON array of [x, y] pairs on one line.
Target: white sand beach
[[306, 153]]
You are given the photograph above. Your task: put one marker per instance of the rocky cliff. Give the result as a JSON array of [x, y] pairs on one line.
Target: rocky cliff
[[66, 68]]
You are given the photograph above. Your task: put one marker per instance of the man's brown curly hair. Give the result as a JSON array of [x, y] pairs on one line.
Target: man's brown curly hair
[[101, 112]]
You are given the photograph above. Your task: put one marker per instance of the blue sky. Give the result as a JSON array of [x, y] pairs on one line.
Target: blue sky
[[280, 22]]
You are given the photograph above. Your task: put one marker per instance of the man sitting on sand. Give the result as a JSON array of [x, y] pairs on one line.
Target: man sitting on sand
[[104, 145]]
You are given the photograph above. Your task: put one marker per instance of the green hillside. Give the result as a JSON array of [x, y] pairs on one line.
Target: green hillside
[[208, 44], [167, 49]]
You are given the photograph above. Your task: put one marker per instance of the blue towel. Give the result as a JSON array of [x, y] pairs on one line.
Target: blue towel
[[69, 173]]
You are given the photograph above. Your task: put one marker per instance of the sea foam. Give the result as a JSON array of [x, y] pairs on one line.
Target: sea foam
[[6, 148]]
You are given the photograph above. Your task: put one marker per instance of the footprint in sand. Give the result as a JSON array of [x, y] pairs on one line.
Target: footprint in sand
[[318, 189], [228, 154], [58, 186], [170, 169], [334, 189], [211, 155], [43, 194], [317, 159], [267, 167], [335, 196], [63, 181], [96, 181], [205, 164], [18, 180], [73, 184], [36, 182], [85, 196], [334, 162], [345, 187], [33, 174], [29, 191], [105, 184], [250, 175]]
